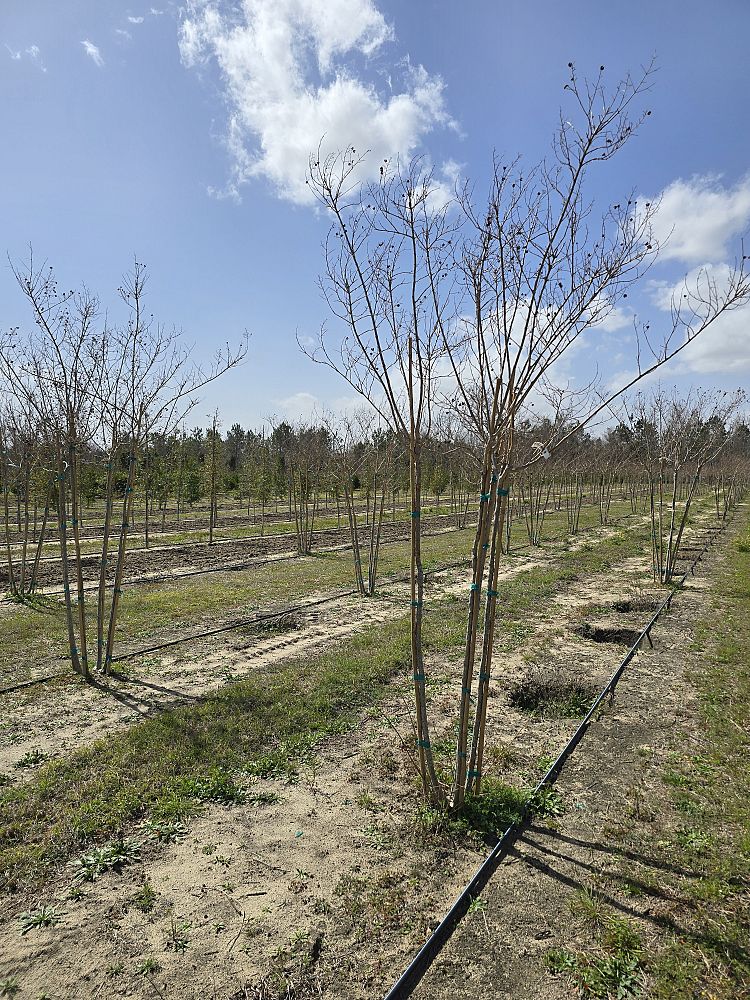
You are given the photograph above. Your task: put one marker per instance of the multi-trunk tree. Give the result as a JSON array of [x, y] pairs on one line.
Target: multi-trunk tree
[[449, 304]]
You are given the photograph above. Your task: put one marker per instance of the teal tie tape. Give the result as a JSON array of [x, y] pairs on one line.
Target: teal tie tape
[[492, 593], [418, 677], [501, 492], [424, 744], [473, 773], [474, 586], [415, 513], [484, 677], [484, 497], [486, 545], [416, 604]]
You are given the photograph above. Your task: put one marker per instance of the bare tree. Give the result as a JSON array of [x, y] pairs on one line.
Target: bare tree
[[99, 389], [480, 304], [677, 438]]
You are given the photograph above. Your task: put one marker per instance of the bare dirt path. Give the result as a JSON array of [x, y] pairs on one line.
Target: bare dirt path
[[601, 849], [326, 885]]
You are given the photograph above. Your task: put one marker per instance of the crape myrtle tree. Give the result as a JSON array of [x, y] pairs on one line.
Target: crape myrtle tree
[[676, 439], [26, 484], [360, 454], [102, 390], [494, 295], [386, 253]]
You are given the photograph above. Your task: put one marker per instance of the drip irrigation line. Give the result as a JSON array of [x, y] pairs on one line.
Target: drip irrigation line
[[244, 622], [261, 560], [418, 967]]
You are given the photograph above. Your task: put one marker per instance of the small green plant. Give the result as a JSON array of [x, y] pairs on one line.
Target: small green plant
[[45, 916], [33, 758], [693, 840], [165, 830], [9, 987], [546, 801], [217, 786], [115, 970], [263, 798], [145, 898], [149, 967], [616, 972], [498, 806], [114, 856], [178, 939]]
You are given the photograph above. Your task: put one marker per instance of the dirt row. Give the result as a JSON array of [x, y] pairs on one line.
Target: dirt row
[[325, 887], [223, 554]]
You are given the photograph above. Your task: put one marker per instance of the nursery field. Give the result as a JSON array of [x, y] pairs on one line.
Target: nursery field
[[238, 814]]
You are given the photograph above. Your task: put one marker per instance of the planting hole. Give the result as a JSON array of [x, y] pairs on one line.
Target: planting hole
[[548, 693], [606, 633]]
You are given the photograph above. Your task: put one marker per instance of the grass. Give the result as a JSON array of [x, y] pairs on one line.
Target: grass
[[34, 637], [698, 941], [162, 769], [711, 955]]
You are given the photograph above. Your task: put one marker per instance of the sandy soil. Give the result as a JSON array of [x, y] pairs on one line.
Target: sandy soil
[[164, 560], [335, 892]]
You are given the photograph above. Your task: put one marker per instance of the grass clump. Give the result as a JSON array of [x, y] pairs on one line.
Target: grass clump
[[44, 916], [111, 857], [615, 969]]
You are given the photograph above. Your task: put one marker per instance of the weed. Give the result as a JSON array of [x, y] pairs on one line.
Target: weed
[[45, 916], [115, 970], [616, 972], [694, 840], [216, 786], [164, 830], [114, 856], [178, 939], [492, 812], [263, 798], [145, 898], [149, 967], [546, 802], [33, 758], [9, 987]]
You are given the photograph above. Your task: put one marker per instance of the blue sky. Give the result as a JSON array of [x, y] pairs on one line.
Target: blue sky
[[116, 125]]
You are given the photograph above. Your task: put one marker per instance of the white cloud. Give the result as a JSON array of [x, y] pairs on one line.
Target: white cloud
[[124, 34], [725, 345], [300, 406], [698, 217], [93, 52], [290, 72], [617, 319], [33, 52], [136, 20]]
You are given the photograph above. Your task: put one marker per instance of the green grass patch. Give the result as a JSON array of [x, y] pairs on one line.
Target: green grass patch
[[164, 768]]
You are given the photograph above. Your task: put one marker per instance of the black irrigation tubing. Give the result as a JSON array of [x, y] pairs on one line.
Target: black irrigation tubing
[[260, 560], [412, 976]]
